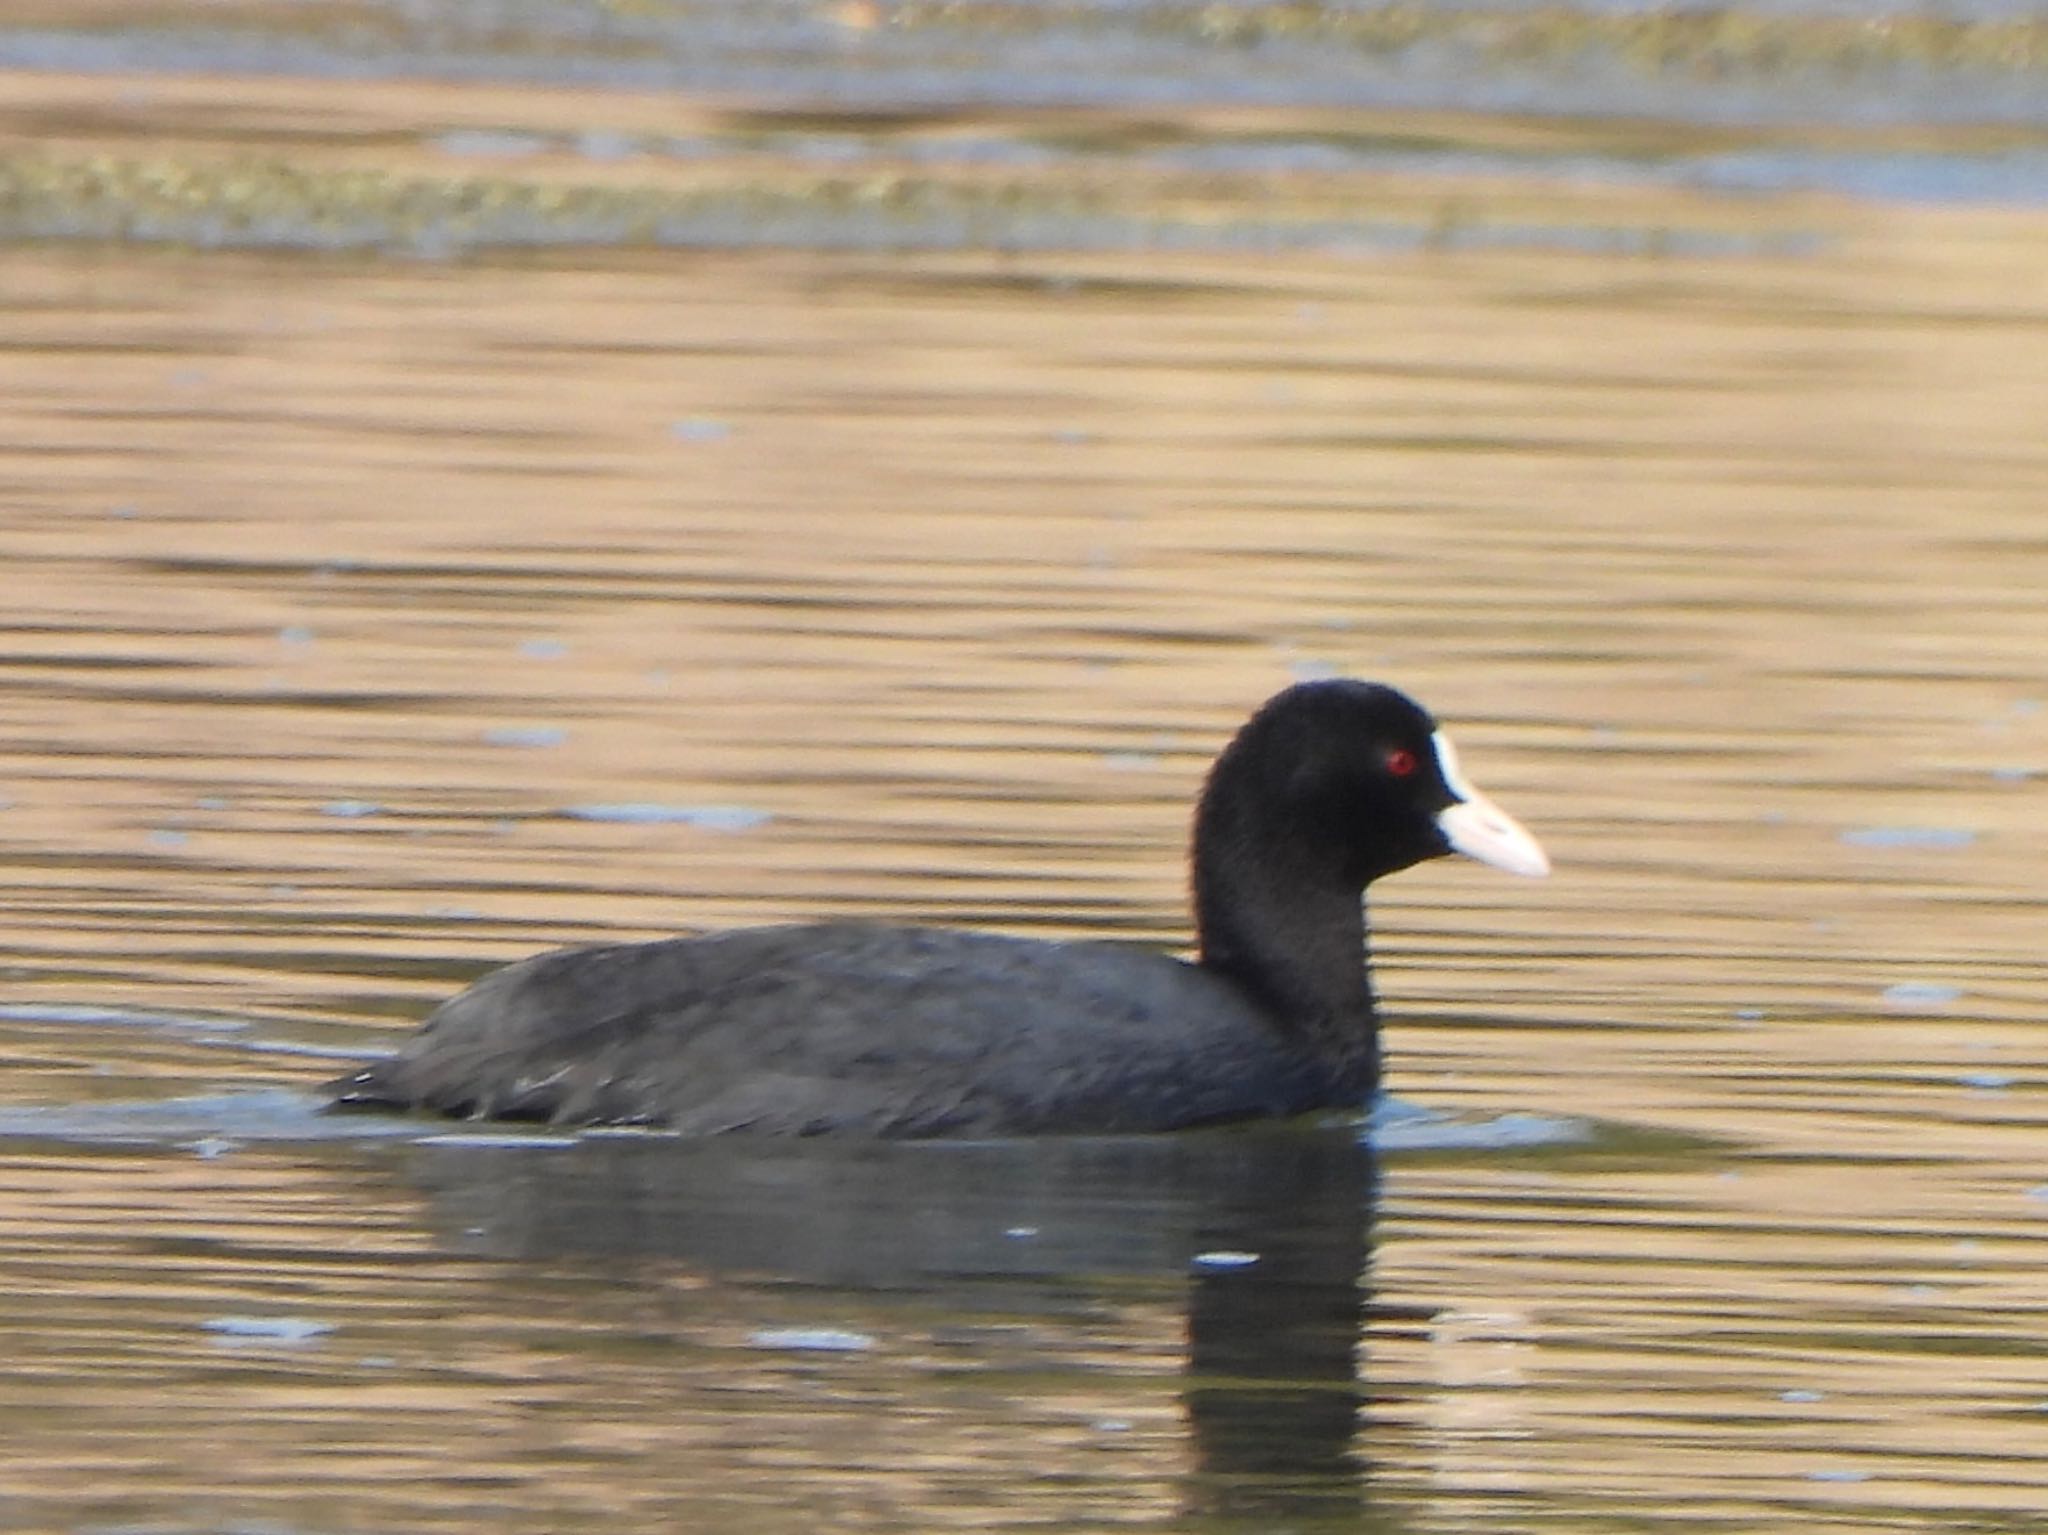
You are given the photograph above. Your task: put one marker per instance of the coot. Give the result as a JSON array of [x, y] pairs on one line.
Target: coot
[[856, 1028]]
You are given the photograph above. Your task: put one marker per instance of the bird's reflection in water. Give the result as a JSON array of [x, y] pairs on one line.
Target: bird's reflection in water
[[1275, 1348], [1261, 1235]]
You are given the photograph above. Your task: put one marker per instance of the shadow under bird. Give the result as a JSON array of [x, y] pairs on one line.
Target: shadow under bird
[[865, 1029]]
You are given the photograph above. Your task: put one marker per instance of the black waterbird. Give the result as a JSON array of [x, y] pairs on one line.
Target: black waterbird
[[858, 1028]]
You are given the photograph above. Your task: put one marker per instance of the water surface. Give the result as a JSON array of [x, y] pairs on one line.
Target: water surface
[[375, 620]]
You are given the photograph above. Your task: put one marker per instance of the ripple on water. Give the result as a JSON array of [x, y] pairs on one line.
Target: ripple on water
[[1394, 1127]]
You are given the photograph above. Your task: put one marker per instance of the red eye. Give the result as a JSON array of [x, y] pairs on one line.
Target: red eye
[[1400, 762]]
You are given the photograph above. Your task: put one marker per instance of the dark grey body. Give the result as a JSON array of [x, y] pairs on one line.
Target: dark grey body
[[849, 1028]]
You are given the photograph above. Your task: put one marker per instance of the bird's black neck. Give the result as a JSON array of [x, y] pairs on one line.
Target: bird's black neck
[[1291, 934]]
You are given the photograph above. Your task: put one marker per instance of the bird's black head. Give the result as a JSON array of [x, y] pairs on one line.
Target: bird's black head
[[1349, 781]]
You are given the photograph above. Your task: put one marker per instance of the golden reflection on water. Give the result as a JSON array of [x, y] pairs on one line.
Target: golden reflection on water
[[1726, 574]]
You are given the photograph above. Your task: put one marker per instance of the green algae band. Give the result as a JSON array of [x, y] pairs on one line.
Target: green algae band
[[275, 205]]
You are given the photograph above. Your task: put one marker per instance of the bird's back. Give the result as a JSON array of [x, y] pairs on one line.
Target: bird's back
[[852, 1028]]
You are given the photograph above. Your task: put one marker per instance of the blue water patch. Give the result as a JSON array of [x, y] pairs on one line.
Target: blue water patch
[[646, 813], [1987, 1081], [1920, 996], [289, 1330], [490, 143], [224, 1120], [351, 809], [504, 1140], [115, 1017], [190, 1123], [1396, 1126], [2017, 176], [700, 429], [293, 1047], [812, 1340], [1930, 838], [532, 737]]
